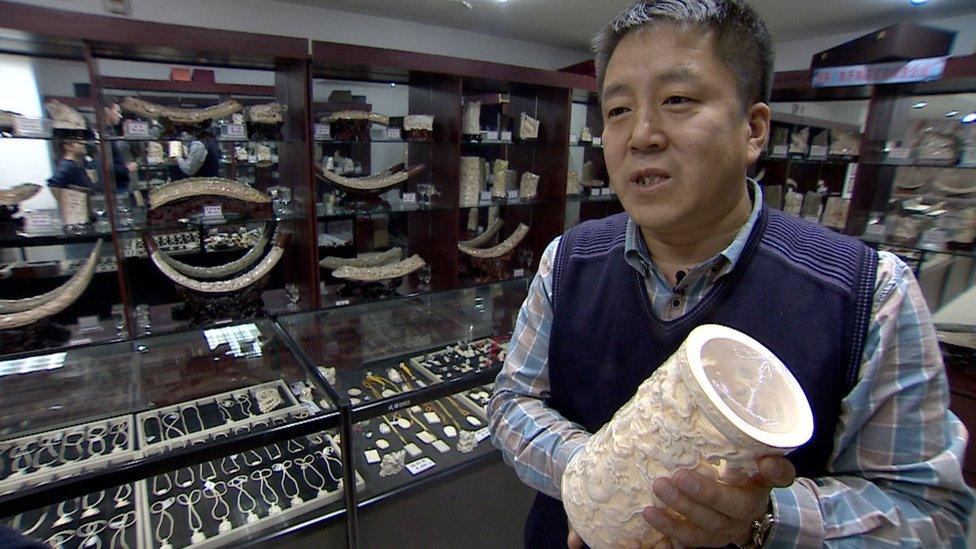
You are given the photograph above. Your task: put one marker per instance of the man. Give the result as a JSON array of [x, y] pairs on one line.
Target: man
[[122, 156], [684, 91], [71, 168], [202, 158]]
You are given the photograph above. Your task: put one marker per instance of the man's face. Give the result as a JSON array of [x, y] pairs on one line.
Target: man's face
[[113, 114], [676, 138]]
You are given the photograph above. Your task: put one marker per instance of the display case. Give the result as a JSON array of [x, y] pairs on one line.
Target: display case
[[589, 194], [204, 438], [413, 372]]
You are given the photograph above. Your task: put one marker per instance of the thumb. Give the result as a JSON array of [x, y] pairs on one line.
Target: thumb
[[573, 541]]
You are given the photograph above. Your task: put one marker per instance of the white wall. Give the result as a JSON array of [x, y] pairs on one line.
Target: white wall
[[20, 95], [796, 54], [269, 17]]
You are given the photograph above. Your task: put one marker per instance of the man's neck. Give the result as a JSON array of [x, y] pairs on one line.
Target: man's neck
[[673, 252]]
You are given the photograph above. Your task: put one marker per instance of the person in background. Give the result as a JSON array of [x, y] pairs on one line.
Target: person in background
[[202, 158], [122, 155], [71, 171], [684, 92]]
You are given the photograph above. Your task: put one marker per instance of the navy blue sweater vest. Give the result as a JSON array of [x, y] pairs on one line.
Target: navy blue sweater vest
[[802, 291]]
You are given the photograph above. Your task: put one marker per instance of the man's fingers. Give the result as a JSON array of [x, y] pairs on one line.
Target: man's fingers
[[702, 516], [777, 471], [681, 532], [744, 502], [573, 541]]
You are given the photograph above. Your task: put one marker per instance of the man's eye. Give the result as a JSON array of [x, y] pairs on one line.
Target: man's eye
[[676, 100], [616, 111]]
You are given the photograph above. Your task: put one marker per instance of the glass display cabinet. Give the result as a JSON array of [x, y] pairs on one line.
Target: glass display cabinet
[[588, 191], [209, 437]]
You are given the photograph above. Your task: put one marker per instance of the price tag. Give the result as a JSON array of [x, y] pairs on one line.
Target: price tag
[[780, 151], [30, 127], [486, 196], [419, 466], [342, 302], [89, 324], [80, 341], [74, 207], [409, 198], [818, 151], [213, 211], [875, 231], [233, 132], [506, 136], [482, 434], [519, 272], [606, 191], [573, 139], [597, 141], [274, 158], [311, 407], [322, 131], [393, 134], [513, 195], [811, 218], [899, 153], [38, 222], [136, 129], [491, 136]]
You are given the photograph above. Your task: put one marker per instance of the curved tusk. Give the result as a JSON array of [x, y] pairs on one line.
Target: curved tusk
[[378, 274], [18, 193], [220, 271], [265, 113], [58, 299], [204, 186], [508, 245], [184, 116], [223, 286], [374, 260], [485, 237], [383, 180], [357, 115]]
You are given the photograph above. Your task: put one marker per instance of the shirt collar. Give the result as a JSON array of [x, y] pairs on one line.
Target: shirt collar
[[637, 256]]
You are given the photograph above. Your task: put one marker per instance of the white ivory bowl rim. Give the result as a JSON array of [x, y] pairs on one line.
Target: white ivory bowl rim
[[803, 423]]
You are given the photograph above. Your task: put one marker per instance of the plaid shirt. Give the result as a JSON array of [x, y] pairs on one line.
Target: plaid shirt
[[896, 475]]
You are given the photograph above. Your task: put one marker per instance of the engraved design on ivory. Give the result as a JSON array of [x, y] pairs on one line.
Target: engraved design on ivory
[[18, 193], [508, 245], [185, 116], [204, 186]]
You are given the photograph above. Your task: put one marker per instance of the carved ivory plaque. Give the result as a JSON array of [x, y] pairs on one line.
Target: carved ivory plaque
[[721, 401]]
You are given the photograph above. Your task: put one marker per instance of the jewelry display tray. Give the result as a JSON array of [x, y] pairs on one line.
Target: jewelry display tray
[[46, 473]]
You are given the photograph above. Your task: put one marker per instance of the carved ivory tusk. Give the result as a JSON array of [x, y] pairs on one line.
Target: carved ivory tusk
[[508, 245], [485, 237], [185, 116], [204, 186], [52, 302], [266, 113], [18, 193], [385, 272], [374, 260], [721, 401], [376, 182], [220, 271], [223, 286], [358, 115]]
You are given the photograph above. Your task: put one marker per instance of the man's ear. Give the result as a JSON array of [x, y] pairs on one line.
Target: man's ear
[[759, 121]]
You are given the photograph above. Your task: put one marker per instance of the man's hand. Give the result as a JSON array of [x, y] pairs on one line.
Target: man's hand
[[715, 514]]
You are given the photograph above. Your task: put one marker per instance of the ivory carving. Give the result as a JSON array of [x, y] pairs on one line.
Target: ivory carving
[[529, 186], [418, 122], [383, 180], [499, 179], [358, 115], [65, 118], [485, 237], [219, 271], [18, 193], [508, 245], [472, 178], [471, 118], [267, 113], [184, 116], [15, 311], [528, 127], [384, 272], [721, 401], [373, 260], [223, 286], [204, 186]]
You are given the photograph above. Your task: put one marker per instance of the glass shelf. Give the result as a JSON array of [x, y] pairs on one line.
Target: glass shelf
[[345, 210], [509, 202]]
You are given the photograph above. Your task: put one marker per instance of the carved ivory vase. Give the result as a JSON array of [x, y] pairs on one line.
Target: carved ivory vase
[[720, 402]]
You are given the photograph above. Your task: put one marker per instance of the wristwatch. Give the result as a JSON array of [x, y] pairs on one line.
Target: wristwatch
[[760, 529]]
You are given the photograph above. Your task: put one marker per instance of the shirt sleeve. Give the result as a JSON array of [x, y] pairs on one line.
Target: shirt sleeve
[[534, 439], [895, 476], [194, 159]]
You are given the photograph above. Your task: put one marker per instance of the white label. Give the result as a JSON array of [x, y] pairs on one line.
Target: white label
[[597, 141], [135, 129], [274, 158], [486, 196], [74, 207], [899, 153], [506, 136], [519, 272], [875, 231], [89, 324], [482, 434], [491, 136], [342, 302], [80, 341], [372, 456], [812, 219], [780, 150], [573, 138], [37, 221], [431, 417], [606, 191], [419, 466], [30, 127], [393, 134], [323, 131], [513, 195], [311, 407], [213, 211], [409, 198], [234, 131], [818, 151]]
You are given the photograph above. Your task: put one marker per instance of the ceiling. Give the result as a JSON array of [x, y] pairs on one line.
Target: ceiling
[[570, 23]]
